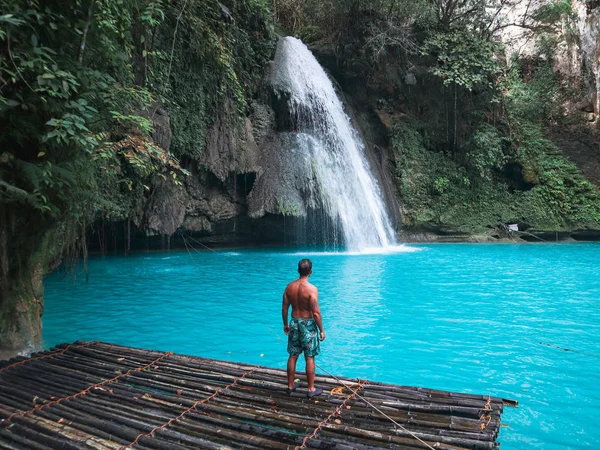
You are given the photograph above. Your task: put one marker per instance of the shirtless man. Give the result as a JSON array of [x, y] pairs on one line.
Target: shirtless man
[[302, 330]]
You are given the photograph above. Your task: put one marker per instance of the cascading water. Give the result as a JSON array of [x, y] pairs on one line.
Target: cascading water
[[331, 148]]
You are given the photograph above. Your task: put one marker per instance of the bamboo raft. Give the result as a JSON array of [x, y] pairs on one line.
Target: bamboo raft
[[93, 395]]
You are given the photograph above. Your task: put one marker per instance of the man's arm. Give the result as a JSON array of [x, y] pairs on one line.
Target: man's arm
[[316, 312], [285, 307]]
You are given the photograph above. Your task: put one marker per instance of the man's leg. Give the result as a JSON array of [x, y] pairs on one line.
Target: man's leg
[[310, 372], [291, 370]]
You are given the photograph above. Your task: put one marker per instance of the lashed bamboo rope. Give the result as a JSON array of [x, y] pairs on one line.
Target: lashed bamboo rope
[[486, 416], [175, 419], [183, 381], [333, 414], [49, 355], [85, 391], [381, 412]]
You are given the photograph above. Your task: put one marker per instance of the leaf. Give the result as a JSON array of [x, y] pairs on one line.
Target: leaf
[[34, 40], [120, 359], [48, 76], [40, 154]]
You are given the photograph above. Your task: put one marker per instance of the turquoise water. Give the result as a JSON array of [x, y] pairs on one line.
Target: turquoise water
[[462, 317]]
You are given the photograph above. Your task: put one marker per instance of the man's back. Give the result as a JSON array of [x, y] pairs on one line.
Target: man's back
[[303, 330], [299, 294]]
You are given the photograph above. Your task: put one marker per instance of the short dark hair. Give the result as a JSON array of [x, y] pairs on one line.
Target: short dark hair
[[304, 267]]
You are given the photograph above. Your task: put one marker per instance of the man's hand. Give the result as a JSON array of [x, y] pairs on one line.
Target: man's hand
[[286, 329], [322, 335]]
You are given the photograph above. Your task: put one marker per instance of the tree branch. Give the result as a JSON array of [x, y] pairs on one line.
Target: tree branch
[[15, 190], [85, 31]]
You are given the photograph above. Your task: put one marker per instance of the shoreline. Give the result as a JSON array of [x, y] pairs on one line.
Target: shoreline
[[403, 239]]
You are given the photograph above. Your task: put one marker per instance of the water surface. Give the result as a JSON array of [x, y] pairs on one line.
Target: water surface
[[482, 319]]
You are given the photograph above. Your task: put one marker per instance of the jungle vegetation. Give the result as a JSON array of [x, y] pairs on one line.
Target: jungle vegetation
[[100, 100], [471, 139], [81, 86]]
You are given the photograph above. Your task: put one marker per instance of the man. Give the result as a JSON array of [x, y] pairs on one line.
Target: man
[[304, 327]]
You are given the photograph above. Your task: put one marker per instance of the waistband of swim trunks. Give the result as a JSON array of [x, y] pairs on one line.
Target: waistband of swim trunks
[[297, 319]]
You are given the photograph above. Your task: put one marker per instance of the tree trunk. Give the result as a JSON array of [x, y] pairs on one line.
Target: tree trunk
[[86, 31], [139, 52], [455, 118], [22, 293]]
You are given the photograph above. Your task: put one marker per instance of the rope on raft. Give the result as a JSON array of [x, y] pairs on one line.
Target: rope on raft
[[570, 350], [180, 416], [49, 355], [333, 414], [486, 416], [85, 391], [380, 411]]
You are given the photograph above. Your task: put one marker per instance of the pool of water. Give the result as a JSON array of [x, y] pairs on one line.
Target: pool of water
[[486, 319]]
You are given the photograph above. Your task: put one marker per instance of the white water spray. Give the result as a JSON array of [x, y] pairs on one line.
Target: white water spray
[[344, 184]]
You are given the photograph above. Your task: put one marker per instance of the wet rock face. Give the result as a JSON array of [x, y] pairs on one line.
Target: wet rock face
[[165, 211], [248, 172], [161, 127], [589, 35], [214, 196], [284, 185], [230, 144], [579, 60]]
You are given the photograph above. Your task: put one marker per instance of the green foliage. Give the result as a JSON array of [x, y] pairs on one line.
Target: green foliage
[[213, 60], [291, 209], [81, 83], [534, 91], [63, 108], [80, 86], [310, 33], [554, 12], [440, 185], [475, 195], [472, 118], [486, 151], [463, 59]]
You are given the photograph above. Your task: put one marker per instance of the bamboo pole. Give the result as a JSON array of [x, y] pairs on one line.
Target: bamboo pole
[[253, 412]]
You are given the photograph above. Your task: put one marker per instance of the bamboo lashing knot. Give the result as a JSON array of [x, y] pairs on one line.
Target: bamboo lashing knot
[[487, 414]]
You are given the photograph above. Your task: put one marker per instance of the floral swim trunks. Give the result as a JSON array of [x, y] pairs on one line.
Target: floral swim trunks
[[303, 337]]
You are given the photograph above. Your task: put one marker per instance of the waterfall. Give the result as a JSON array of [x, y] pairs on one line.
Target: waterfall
[[344, 186]]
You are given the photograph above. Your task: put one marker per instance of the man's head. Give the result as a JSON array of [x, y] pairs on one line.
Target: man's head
[[304, 267]]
